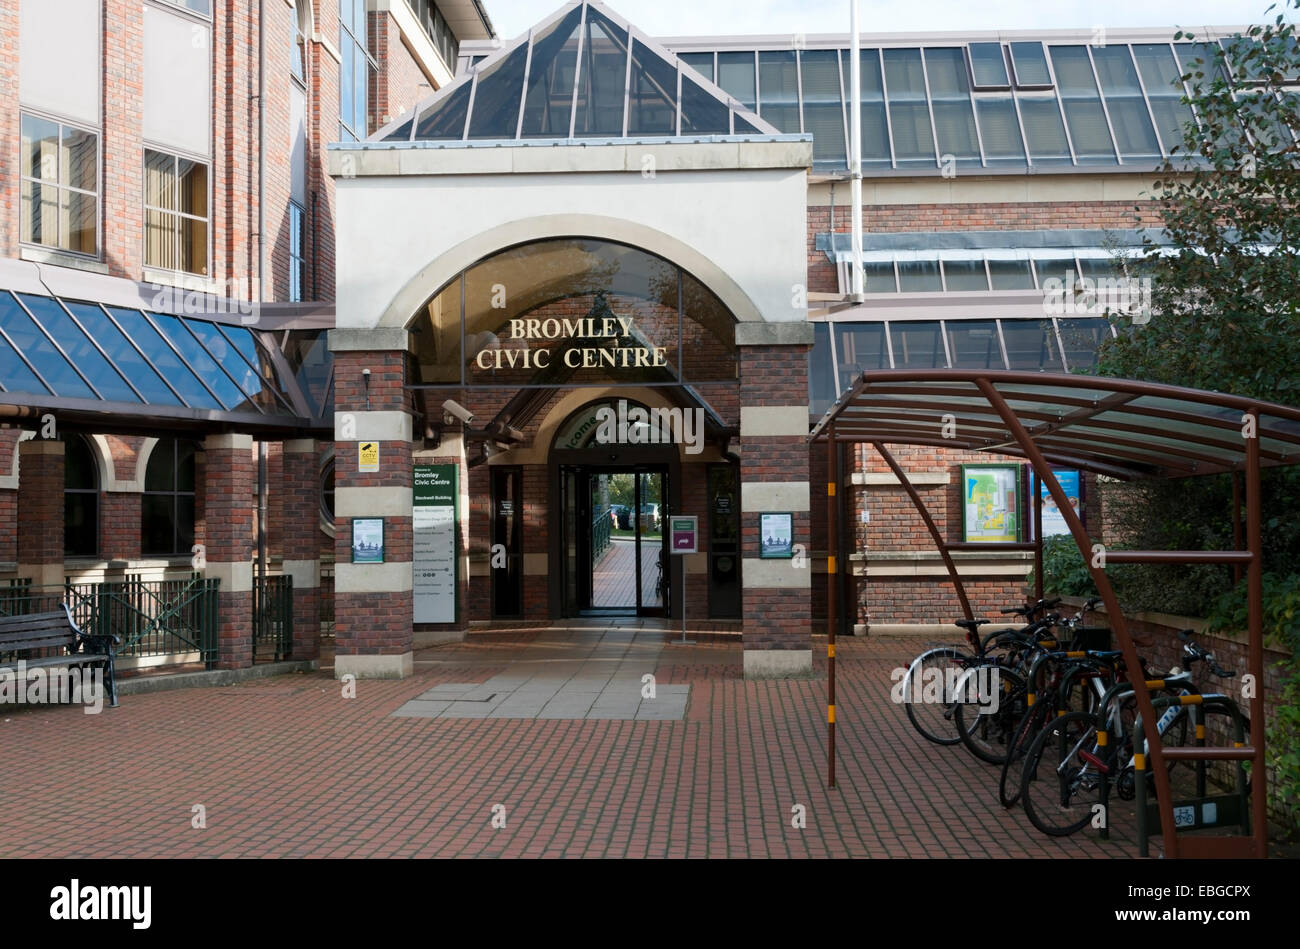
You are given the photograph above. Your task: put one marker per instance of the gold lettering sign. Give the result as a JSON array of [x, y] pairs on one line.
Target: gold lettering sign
[[588, 357]]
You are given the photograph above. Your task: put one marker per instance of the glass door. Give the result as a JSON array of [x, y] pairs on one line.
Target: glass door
[[652, 563]]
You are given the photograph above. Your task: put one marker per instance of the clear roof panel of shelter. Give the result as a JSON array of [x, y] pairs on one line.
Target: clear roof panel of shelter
[[583, 74]]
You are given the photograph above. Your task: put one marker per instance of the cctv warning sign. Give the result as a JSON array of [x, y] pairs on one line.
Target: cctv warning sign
[[368, 457]]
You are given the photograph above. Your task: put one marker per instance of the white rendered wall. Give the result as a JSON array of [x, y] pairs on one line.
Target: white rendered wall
[[748, 226]]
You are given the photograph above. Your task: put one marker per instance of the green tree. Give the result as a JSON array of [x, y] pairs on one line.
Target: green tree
[[1223, 312]]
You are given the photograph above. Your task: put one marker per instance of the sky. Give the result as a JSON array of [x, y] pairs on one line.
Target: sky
[[730, 17]]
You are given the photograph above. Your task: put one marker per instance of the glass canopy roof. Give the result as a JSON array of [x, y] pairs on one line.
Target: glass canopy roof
[[1115, 427], [584, 74], [89, 357]]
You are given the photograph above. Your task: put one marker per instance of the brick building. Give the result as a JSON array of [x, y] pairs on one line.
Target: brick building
[[167, 278], [509, 244]]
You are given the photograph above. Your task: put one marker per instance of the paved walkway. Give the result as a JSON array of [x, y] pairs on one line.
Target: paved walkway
[[291, 767], [586, 673]]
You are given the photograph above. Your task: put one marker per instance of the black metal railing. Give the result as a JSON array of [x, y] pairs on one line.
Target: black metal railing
[[170, 620], [601, 531], [272, 618]]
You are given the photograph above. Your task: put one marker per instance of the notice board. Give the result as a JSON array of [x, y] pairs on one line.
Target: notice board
[[433, 524]]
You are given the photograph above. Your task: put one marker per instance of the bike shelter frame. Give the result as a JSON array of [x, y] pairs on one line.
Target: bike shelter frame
[[1124, 429]]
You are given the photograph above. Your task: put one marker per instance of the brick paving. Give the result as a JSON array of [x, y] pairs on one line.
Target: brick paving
[[289, 767]]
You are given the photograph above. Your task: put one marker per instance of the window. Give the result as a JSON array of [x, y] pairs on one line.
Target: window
[[1030, 65], [167, 508], [327, 492], [175, 213], [823, 105], [736, 75], [909, 111], [778, 90], [297, 244], [80, 499], [1125, 104], [197, 6], [298, 50], [1084, 114], [954, 121], [988, 67], [437, 28], [1163, 81], [59, 170], [354, 71]]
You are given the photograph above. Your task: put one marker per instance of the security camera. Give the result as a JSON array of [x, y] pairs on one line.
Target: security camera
[[453, 408]]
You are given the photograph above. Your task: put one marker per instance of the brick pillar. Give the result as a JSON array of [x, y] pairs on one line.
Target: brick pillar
[[774, 478], [9, 204], [299, 533], [229, 478], [40, 511], [373, 603], [123, 183]]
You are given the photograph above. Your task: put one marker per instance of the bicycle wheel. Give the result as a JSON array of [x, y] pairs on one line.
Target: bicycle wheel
[[1062, 775], [924, 693], [1013, 766], [984, 726]]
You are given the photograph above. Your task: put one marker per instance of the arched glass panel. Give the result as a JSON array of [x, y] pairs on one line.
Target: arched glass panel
[[80, 499], [575, 311]]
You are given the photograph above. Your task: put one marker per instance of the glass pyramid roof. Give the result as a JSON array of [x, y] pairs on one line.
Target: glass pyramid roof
[[585, 73]]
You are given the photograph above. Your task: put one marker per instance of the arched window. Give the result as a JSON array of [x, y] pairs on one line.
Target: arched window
[[298, 51], [80, 499], [575, 311], [327, 492], [167, 509]]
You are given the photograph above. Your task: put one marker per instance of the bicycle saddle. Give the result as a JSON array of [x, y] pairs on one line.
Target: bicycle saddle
[[971, 624]]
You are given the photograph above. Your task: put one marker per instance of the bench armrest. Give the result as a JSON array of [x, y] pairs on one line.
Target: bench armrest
[[100, 642]]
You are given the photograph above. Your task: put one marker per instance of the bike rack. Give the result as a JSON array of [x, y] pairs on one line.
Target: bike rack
[[1201, 812], [1120, 428]]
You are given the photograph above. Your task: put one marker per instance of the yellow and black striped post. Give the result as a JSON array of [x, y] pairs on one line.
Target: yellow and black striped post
[[832, 596]]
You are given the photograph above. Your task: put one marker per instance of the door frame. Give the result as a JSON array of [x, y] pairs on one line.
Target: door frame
[[608, 458], [583, 520]]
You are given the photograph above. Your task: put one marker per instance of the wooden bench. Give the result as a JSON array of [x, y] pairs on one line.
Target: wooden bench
[[38, 633]]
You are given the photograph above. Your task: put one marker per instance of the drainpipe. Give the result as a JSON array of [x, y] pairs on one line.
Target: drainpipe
[[261, 278], [855, 158]]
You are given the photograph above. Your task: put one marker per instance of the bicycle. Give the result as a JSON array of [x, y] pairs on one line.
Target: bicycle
[[1073, 765], [934, 716]]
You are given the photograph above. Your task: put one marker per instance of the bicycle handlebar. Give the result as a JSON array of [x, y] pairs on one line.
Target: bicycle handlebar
[[1196, 653]]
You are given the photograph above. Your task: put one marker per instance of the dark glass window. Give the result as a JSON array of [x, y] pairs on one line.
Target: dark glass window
[[652, 102], [59, 185], [1000, 131], [80, 499], [823, 105], [778, 89], [80, 350], [1083, 110], [859, 347], [446, 118], [702, 113], [875, 125], [954, 122], [1163, 81], [988, 65], [909, 113], [1082, 340], [602, 79], [975, 344], [919, 276], [142, 332], [1011, 275], [548, 105], [1127, 106], [702, 63], [736, 75], [918, 346], [965, 275], [1030, 64], [167, 507], [879, 276], [1031, 344], [821, 372], [497, 99], [1044, 130]]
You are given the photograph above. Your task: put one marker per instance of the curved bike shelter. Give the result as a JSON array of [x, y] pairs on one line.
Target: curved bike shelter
[[1115, 427]]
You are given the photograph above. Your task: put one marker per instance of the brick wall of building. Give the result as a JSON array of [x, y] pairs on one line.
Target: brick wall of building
[[401, 84]]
